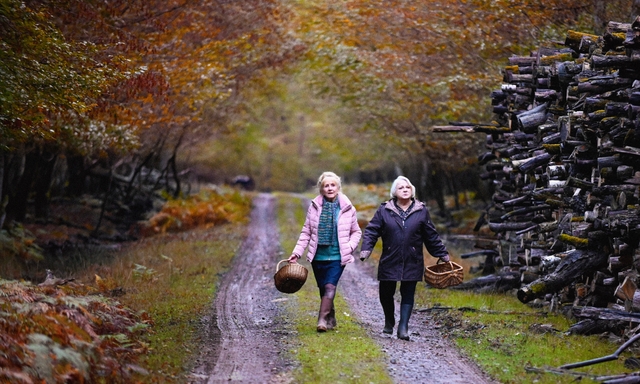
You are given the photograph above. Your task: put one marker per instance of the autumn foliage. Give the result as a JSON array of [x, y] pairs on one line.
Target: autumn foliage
[[103, 97], [67, 333], [89, 86], [206, 209]]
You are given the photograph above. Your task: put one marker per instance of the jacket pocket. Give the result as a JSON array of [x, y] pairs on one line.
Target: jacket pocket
[[416, 254]]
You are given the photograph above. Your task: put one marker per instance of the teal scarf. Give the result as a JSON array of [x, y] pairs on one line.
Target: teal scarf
[[327, 222]]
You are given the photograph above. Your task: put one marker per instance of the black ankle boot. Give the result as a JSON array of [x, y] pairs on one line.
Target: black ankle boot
[[389, 318], [403, 325]]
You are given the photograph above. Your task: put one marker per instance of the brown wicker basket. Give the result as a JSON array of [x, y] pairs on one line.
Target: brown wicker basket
[[291, 277], [443, 275]]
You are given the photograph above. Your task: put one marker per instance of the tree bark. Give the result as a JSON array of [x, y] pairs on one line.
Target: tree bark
[[42, 185], [17, 207], [573, 265], [3, 195], [604, 85], [77, 175], [534, 162], [505, 227], [498, 282]]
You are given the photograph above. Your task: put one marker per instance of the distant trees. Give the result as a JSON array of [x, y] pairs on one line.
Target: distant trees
[[103, 96], [96, 94]]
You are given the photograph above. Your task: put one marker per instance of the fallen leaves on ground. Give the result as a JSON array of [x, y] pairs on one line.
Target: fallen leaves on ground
[[67, 333]]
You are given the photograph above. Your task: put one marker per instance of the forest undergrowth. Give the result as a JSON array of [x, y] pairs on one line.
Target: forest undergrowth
[[123, 314]]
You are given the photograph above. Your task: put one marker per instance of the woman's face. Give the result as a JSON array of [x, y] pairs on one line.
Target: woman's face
[[403, 190], [330, 188]]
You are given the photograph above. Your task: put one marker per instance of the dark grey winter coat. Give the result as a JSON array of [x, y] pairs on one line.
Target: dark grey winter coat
[[402, 258]]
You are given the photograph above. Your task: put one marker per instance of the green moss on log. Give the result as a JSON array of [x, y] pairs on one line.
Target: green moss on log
[[577, 242]]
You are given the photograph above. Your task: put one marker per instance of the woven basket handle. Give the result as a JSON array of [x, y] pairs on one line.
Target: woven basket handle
[[280, 262], [442, 262]]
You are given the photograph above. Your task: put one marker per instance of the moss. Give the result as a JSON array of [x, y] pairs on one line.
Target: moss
[[578, 242]]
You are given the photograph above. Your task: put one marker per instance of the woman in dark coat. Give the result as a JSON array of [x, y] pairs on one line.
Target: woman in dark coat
[[404, 224]]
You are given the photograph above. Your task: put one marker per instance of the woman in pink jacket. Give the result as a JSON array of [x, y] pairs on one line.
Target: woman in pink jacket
[[332, 234]]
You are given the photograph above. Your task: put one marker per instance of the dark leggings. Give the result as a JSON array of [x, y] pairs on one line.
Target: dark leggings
[[407, 291]]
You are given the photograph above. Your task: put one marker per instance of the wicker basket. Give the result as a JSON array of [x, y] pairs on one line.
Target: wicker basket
[[443, 275], [291, 277]]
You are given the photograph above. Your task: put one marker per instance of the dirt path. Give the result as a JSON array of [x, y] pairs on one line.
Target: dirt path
[[241, 342], [246, 329], [427, 357]]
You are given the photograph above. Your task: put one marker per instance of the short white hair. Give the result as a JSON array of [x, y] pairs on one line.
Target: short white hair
[[394, 187], [327, 175]]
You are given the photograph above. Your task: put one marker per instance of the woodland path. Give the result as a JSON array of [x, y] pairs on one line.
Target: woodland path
[[247, 332]]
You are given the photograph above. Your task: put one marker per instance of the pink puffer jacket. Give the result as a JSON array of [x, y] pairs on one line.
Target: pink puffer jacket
[[349, 232]]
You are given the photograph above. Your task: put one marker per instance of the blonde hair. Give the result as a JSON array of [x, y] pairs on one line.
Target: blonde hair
[[327, 175], [394, 187]]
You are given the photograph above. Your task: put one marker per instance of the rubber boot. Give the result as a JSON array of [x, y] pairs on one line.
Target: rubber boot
[[389, 317], [403, 325], [331, 318], [329, 294], [325, 308]]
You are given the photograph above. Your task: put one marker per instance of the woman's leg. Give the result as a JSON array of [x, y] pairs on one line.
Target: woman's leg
[[333, 281], [386, 291], [407, 292], [326, 303], [327, 276], [331, 317]]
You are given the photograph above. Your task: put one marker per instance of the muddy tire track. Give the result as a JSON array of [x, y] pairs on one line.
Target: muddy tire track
[[240, 341], [246, 335]]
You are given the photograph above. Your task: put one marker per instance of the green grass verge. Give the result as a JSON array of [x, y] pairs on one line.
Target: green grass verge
[[515, 343], [173, 278], [343, 355], [178, 306]]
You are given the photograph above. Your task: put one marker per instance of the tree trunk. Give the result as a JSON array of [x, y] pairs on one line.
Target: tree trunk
[[17, 207], [436, 187], [499, 282], [606, 314], [77, 174], [453, 185], [594, 326], [604, 85], [3, 199], [534, 162], [574, 264], [530, 120], [504, 227], [42, 186]]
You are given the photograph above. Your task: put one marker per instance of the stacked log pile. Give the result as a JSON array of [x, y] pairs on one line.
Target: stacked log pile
[[564, 159]]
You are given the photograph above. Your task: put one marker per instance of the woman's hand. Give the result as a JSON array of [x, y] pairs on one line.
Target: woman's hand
[[293, 258]]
